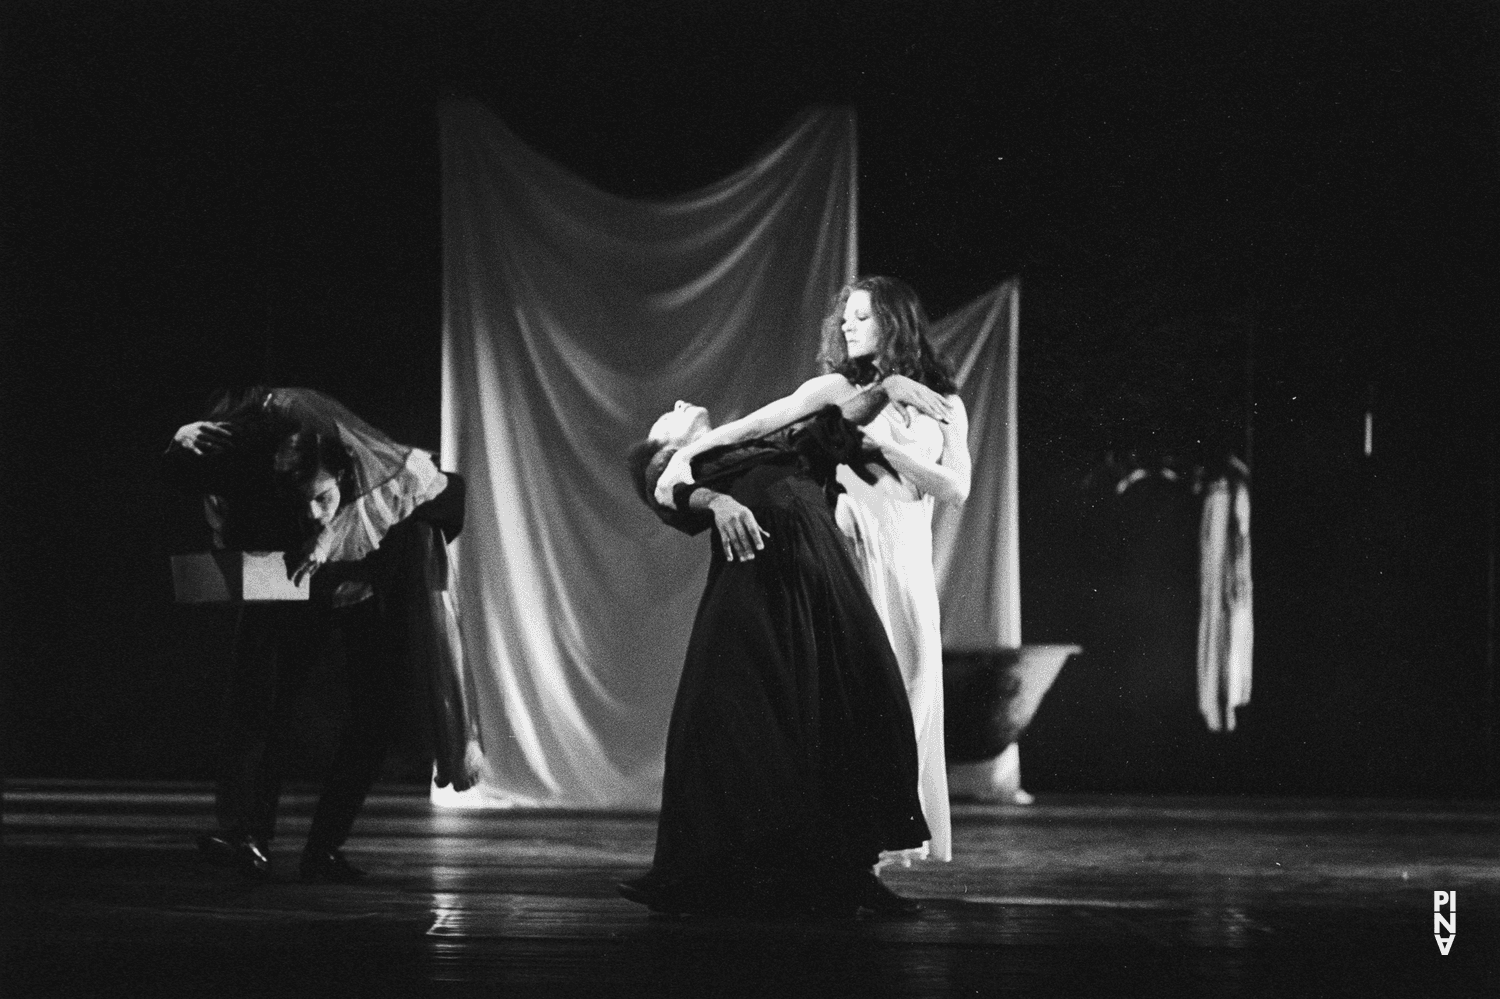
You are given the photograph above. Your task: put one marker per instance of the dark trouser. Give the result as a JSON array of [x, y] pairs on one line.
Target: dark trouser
[[388, 641], [276, 646]]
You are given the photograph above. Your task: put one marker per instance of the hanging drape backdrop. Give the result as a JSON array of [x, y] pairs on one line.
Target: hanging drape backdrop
[[976, 549], [572, 318]]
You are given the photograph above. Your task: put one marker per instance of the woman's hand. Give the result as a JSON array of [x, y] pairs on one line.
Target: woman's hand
[[679, 471], [741, 533], [312, 556], [947, 479], [204, 437], [904, 392]]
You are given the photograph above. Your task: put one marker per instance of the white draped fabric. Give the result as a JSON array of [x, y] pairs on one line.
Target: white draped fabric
[[1226, 624], [976, 549], [572, 318]]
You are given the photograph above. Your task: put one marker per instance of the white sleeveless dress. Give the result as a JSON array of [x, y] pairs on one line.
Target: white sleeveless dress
[[890, 527]]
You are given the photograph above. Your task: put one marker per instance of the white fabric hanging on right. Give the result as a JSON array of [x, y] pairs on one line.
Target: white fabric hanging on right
[[1226, 627]]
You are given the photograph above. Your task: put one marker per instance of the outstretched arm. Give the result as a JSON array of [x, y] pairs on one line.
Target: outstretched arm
[[859, 405], [811, 396]]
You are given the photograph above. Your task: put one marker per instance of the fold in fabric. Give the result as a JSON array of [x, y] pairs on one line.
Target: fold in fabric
[[359, 527], [976, 548], [451, 724]]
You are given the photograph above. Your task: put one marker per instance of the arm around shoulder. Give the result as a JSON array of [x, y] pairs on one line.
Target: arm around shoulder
[[809, 397], [946, 479]]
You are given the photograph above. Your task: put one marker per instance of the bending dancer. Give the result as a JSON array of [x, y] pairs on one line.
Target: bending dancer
[[877, 331], [790, 762], [293, 470]]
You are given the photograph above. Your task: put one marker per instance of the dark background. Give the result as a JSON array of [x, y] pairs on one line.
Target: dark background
[[204, 194]]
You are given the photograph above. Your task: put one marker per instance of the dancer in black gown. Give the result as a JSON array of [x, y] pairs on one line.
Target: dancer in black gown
[[791, 761]]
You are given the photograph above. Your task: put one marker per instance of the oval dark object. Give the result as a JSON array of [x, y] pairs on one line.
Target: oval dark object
[[991, 695]]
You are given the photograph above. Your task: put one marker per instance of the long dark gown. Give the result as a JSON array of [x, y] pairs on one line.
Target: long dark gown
[[791, 760]]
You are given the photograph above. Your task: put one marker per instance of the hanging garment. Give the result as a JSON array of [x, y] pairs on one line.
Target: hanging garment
[[1226, 630]]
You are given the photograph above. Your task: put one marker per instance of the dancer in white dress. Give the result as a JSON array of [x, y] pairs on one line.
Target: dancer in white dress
[[878, 329]]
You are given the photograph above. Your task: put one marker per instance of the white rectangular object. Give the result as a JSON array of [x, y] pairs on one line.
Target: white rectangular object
[[233, 577]]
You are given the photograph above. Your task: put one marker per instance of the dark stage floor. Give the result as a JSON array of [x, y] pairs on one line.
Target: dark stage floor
[[104, 895]]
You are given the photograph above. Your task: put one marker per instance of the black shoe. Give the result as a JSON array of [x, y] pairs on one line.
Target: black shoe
[[241, 851], [869, 892], [328, 867]]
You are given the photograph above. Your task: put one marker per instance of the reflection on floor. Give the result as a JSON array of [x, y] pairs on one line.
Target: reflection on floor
[[104, 895]]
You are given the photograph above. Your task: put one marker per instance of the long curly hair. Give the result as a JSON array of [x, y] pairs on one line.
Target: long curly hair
[[904, 347]]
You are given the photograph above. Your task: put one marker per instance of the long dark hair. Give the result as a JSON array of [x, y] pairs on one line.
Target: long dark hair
[[302, 454], [904, 348]]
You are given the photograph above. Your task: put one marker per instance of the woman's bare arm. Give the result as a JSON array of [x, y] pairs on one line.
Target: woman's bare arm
[[809, 397], [948, 478]]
